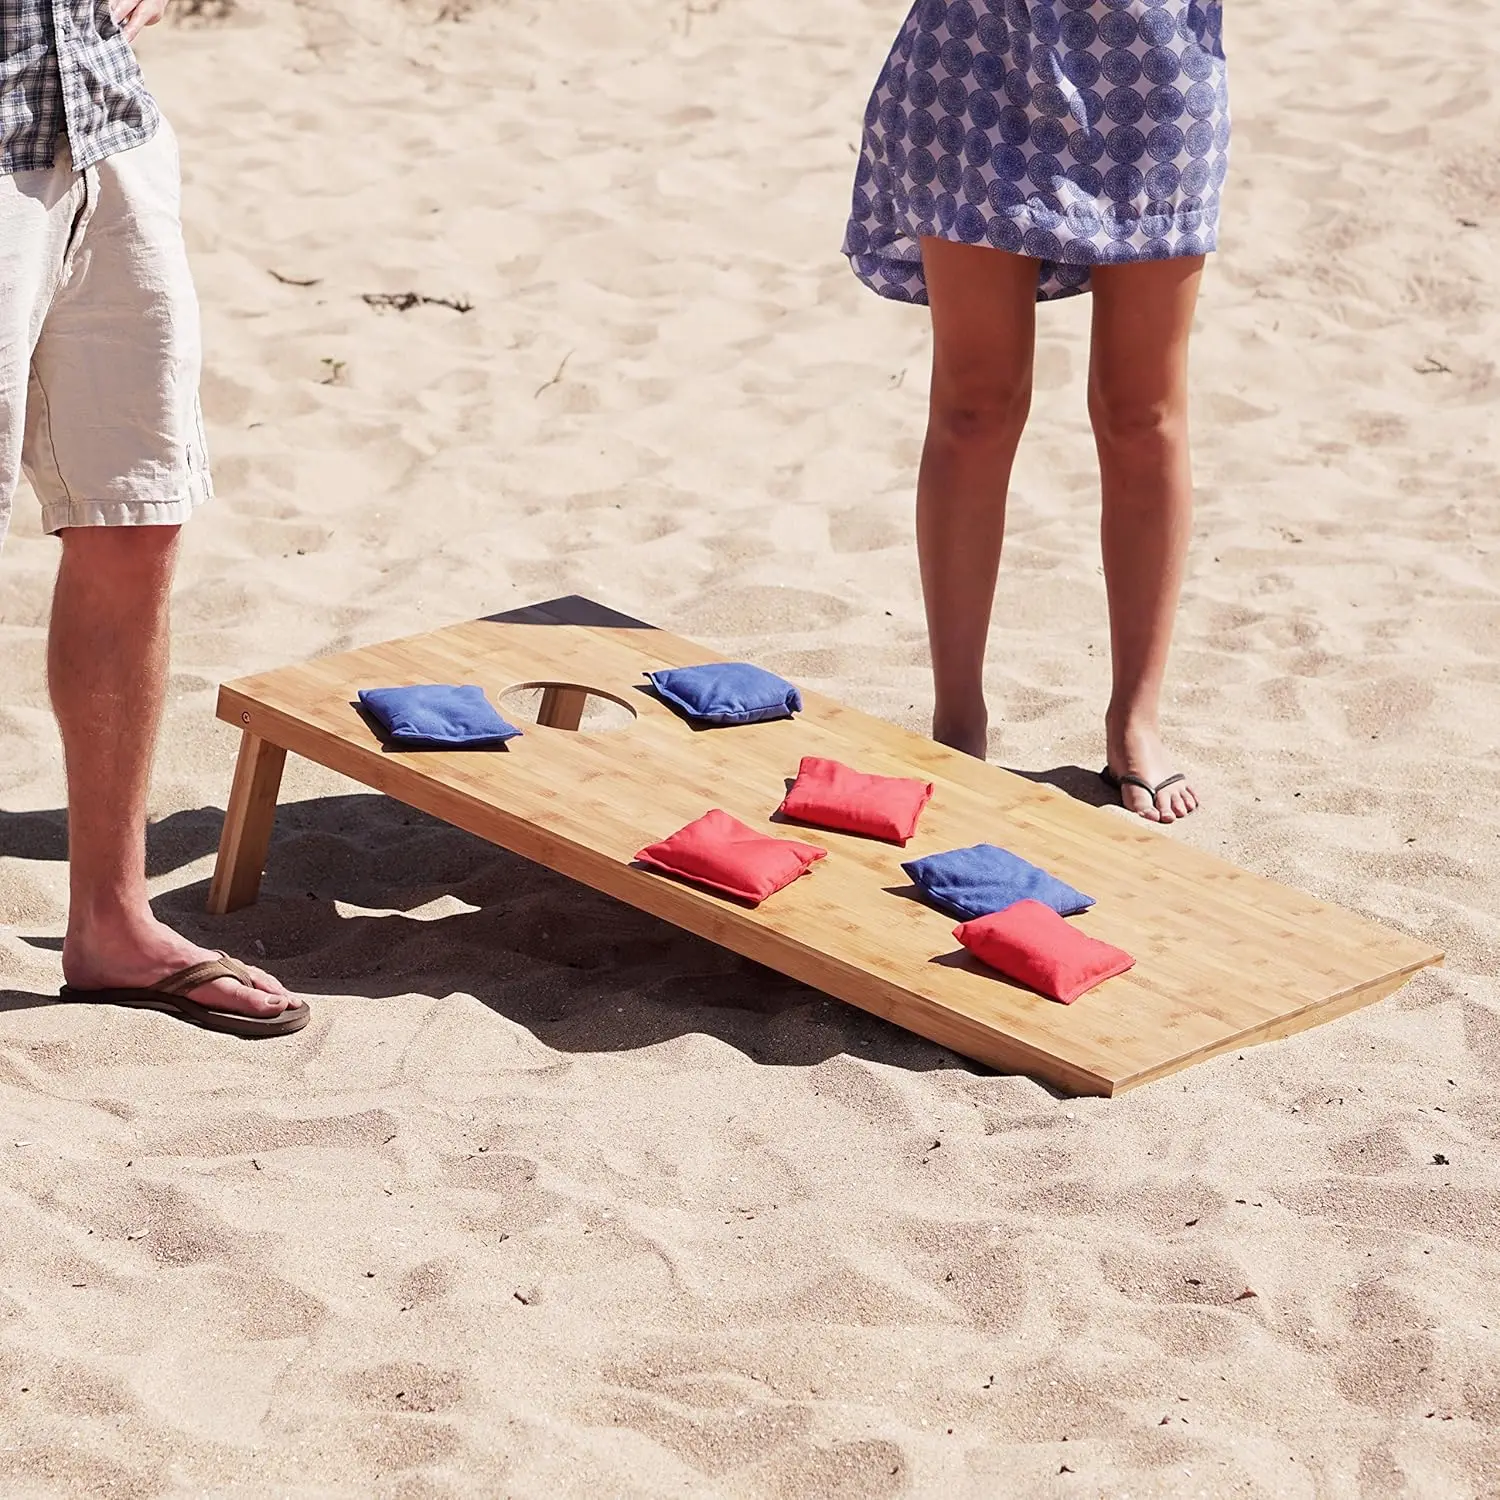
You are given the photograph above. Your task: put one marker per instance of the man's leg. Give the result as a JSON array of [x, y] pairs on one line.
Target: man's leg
[[113, 448], [107, 671]]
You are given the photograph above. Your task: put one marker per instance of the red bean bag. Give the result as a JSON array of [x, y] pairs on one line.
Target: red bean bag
[[721, 853], [830, 795], [1030, 943]]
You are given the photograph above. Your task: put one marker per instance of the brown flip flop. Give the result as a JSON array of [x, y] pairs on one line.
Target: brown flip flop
[[171, 995]]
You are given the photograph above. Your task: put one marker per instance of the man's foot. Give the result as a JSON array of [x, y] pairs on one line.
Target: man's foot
[[136, 955], [970, 735], [1139, 753]]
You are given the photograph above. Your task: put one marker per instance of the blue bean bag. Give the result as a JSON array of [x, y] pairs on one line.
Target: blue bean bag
[[985, 878], [437, 717], [727, 692]]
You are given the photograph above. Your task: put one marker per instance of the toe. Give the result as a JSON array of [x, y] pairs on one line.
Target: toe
[[269, 983], [242, 999]]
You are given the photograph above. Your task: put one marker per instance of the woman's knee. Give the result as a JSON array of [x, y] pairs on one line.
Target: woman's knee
[[1136, 420], [980, 407]]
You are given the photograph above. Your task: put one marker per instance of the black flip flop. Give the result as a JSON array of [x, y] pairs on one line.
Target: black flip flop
[[1118, 783], [171, 996]]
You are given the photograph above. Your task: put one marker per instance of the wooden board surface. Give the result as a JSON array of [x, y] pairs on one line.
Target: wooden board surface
[[1224, 958]]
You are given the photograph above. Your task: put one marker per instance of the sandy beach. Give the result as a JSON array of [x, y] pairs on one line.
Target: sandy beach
[[554, 1200]]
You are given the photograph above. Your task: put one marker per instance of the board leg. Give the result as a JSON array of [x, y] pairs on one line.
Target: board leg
[[562, 707], [247, 825]]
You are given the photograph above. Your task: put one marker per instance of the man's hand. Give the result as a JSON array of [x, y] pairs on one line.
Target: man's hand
[[134, 16]]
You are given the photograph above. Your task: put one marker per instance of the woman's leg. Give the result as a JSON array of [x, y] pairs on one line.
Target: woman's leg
[[1138, 400], [983, 306]]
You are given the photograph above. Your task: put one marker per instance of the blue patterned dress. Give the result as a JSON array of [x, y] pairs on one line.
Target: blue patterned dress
[[1080, 132]]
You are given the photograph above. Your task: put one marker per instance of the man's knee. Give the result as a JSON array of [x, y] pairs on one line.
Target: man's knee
[[146, 548], [128, 562]]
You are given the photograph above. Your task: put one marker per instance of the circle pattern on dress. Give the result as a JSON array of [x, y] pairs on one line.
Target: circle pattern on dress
[[1079, 132]]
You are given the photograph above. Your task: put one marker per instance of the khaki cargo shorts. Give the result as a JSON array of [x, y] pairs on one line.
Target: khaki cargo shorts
[[99, 343]]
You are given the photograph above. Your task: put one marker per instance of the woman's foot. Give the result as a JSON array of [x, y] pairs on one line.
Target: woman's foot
[[969, 734], [1138, 752]]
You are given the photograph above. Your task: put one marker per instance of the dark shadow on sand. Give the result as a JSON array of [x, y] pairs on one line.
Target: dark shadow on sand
[[570, 609], [582, 972], [175, 841], [25, 1000], [1077, 782]]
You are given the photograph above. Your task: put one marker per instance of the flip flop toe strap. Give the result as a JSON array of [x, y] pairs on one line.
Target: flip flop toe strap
[[1118, 781], [185, 981]]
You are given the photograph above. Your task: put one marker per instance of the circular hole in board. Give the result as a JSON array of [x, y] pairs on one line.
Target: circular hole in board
[[566, 705]]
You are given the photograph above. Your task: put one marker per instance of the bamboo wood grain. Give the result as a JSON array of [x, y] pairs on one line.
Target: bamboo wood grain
[[1224, 957], [247, 824], [562, 707]]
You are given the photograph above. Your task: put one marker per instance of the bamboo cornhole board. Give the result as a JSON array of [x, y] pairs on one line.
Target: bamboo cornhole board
[[1224, 958]]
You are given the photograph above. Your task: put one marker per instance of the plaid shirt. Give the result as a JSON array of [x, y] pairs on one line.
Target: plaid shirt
[[66, 70]]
